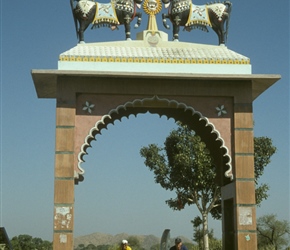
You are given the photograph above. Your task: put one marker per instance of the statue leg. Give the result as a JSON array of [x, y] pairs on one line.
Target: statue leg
[[164, 16], [81, 33], [176, 25], [139, 15], [175, 32], [83, 26], [218, 27], [220, 33], [127, 25]]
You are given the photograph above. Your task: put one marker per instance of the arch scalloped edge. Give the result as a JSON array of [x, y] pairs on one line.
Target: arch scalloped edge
[[228, 173], [107, 119]]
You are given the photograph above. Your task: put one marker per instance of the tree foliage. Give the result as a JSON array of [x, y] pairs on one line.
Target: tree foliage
[[155, 247], [93, 247], [263, 151], [103, 247], [184, 165], [27, 242], [134, 243], [272, 232], [214, 244]]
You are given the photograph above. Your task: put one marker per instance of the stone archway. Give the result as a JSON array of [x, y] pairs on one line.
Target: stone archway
[[221, 105]]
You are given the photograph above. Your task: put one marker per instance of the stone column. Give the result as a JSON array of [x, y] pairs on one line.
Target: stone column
[[64, 175], [244, 202]]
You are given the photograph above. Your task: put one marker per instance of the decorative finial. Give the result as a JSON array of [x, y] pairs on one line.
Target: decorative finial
[[152, 8]]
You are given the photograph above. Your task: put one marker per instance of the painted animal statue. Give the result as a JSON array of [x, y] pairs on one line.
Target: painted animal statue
[[185, 13], [113, 14]]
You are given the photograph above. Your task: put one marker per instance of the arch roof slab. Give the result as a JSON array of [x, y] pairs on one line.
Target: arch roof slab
[[161, 57], [45, 81]]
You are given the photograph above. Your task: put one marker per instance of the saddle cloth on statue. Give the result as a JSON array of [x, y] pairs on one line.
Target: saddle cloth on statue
[[198, 15], [218, 9], [85, 6], [105, 14]]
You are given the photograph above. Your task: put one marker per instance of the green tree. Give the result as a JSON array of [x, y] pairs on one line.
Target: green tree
[[214, 244], [185, 166], [114, 247], [263, 151], [155, 247], [80, 247], [91, 247], [27, 242], [103, 247], [134, 243], [272, 232], [184, 150], [197, 232]]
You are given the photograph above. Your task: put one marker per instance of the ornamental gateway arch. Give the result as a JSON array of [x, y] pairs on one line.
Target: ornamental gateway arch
[[210, 88]]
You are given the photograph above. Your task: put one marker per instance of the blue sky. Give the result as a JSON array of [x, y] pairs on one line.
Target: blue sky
[[119, 193]]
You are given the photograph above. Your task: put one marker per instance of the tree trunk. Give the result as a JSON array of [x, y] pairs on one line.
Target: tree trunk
[[205, 231]]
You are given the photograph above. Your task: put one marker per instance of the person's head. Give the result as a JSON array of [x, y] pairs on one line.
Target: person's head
[[178, 243], [124, 244]]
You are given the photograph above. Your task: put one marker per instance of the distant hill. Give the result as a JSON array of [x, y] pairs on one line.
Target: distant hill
[[107, 239]]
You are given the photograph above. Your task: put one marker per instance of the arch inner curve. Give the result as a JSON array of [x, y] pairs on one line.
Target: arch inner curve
[[171, 109]]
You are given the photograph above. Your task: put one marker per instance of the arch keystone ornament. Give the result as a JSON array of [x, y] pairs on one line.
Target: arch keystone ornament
[[209, 88]]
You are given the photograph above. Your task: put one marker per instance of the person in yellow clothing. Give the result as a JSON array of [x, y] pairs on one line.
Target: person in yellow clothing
[[124, 245]]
